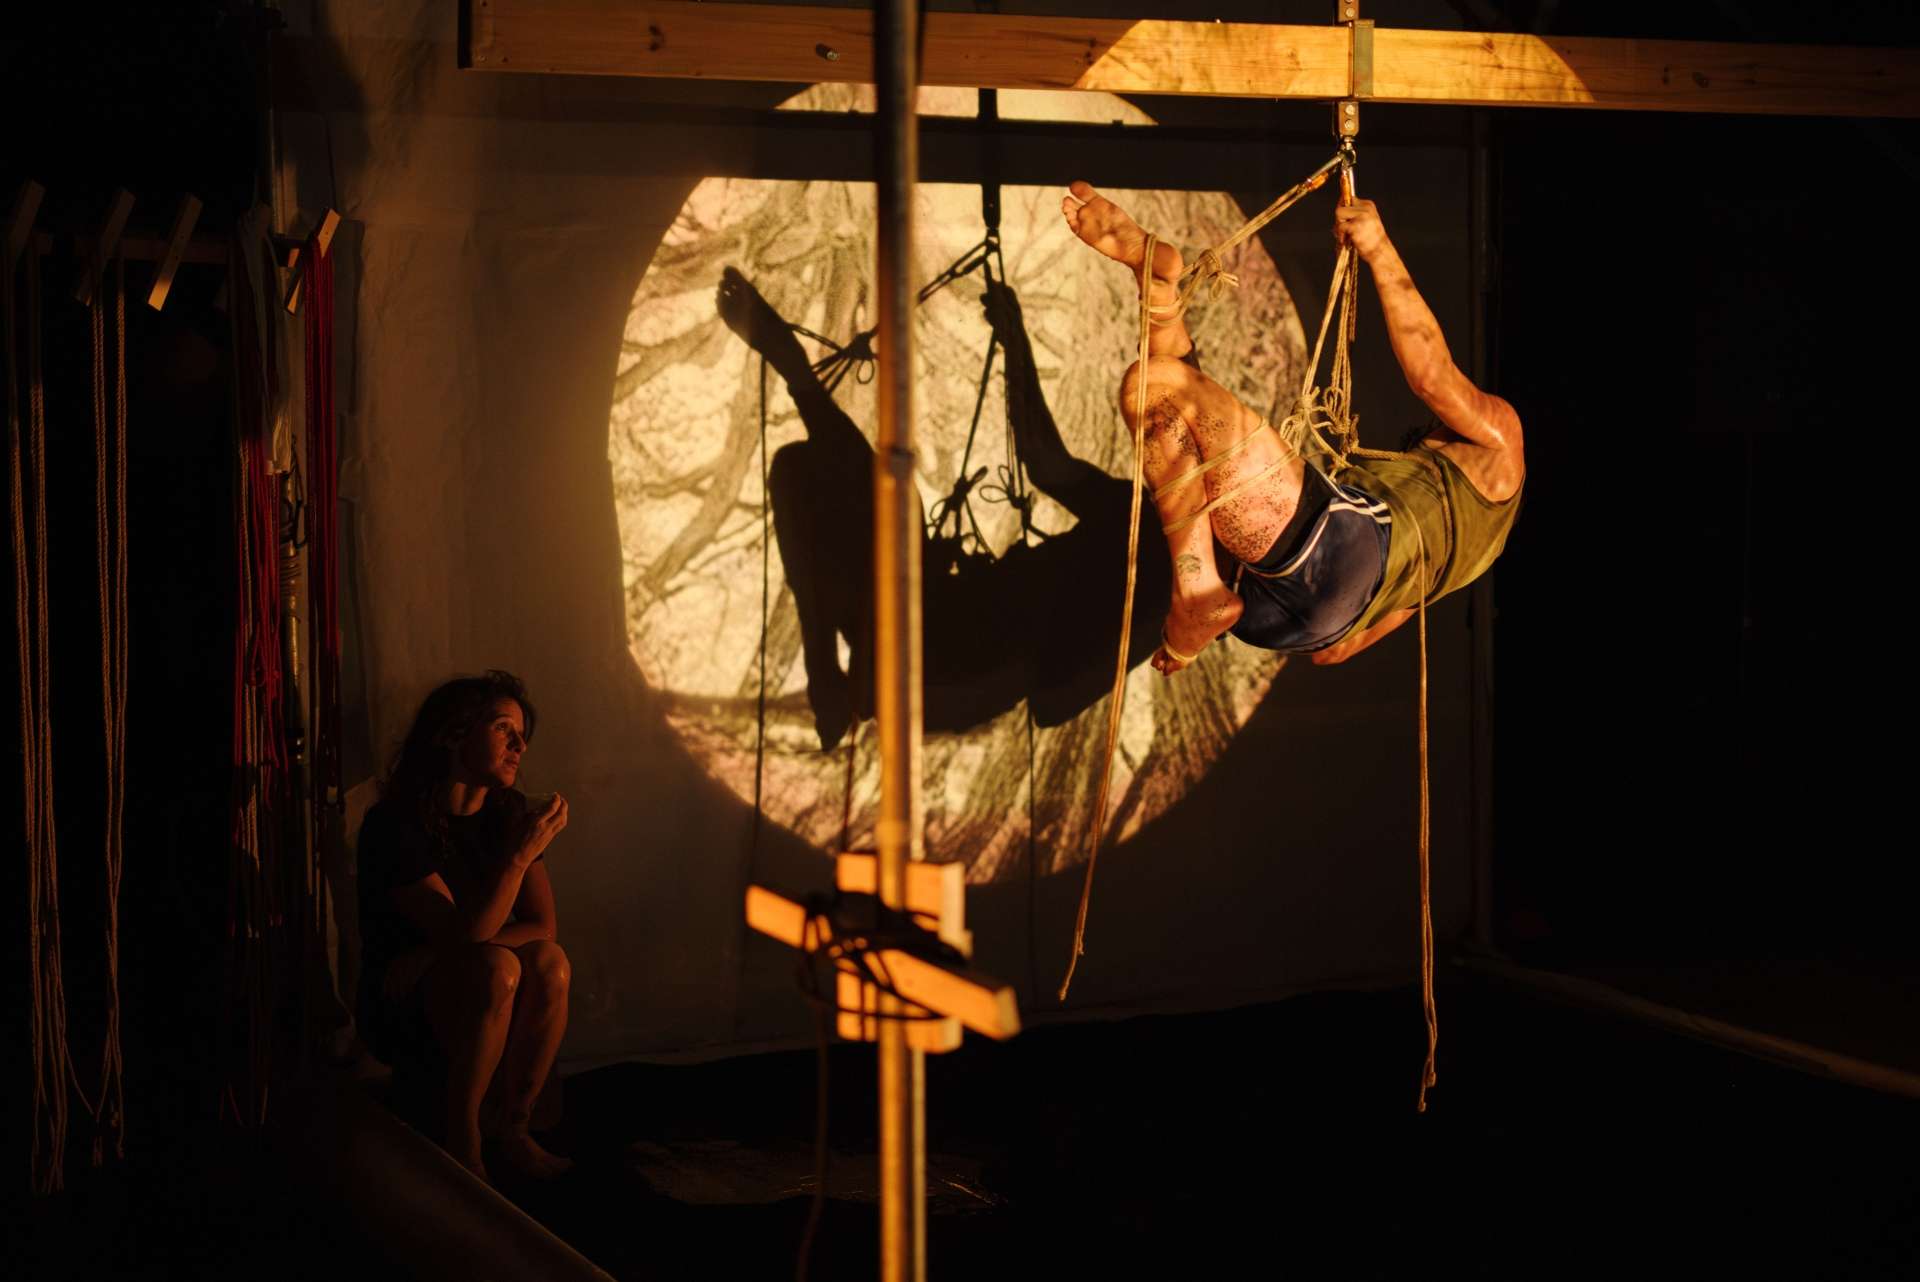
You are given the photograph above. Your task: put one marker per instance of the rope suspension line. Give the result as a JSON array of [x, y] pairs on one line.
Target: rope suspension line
[[1323, 418]]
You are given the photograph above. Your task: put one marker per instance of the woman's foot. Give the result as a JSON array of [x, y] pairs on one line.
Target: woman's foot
[[466, 1151], [520, 1153], [1192, 624]]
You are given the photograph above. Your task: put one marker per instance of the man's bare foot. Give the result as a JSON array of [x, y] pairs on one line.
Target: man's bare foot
[[753, 319], [520, 1153], [832, 704], [1111, 230], [1192, 624]]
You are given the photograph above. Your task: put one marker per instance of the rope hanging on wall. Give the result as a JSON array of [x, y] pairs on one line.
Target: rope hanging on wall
[[323, 578], [255, 921], [110, 544], [27, 444]]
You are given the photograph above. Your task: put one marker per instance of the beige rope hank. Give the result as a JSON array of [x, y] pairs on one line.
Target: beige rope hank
[[110, 545], [46, 978]]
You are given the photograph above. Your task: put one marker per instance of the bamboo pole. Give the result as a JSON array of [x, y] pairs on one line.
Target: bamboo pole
[[897, 617]]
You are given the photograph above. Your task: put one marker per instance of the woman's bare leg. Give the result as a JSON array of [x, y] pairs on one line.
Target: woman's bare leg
[[533, 1039], [469, 1001]]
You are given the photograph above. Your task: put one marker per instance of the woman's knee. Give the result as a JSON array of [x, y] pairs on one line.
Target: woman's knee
[[545, 969], [485, 977]]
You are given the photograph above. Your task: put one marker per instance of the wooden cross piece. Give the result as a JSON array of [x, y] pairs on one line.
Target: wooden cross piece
[[942, 997]]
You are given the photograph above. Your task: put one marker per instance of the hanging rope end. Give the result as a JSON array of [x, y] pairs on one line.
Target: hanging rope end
[[1073, 963]]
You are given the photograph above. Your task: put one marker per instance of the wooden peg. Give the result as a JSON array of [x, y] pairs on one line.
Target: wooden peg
[[937, 897], [183, 224], [978, 1001], [26, 207], [103, 245], [322, 240]]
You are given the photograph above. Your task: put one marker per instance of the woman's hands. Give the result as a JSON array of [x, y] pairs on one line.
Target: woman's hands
[[538, 828]]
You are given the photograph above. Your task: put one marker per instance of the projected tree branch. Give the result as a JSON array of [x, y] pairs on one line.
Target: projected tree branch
[[1021, 620]]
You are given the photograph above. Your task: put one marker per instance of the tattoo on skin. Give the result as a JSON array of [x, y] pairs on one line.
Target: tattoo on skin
[[1186, 565]]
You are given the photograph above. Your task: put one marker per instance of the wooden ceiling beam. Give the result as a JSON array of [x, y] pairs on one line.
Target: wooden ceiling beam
[[676, 38]]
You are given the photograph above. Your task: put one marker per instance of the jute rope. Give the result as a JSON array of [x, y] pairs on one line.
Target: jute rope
[[1325, 417], [110, 548], [1116, 701], [46, 974]]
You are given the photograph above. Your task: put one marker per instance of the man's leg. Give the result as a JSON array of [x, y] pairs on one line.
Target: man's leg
[[1072, 482], [1192, 421], [822, 512], [754, 320], [823, 530]]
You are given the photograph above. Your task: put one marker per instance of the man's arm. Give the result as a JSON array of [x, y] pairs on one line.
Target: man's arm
[[1477, 417], [1360, 640]]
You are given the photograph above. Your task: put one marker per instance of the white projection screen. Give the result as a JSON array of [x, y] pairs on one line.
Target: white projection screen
[[552, 462]]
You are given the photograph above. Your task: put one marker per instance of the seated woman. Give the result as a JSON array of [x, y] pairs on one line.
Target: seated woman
[[460, 964]]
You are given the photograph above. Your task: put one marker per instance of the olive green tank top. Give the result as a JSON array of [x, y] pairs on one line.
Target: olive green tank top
[[1435, 509]]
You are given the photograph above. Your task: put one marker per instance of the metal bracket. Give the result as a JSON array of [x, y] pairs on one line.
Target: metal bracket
[[1361, 72], [1346, 119], [1346, 112]]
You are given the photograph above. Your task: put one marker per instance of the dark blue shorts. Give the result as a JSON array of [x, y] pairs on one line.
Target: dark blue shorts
[[1306, 592]]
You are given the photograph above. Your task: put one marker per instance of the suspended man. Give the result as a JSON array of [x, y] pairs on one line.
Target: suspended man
[[1274, 537]]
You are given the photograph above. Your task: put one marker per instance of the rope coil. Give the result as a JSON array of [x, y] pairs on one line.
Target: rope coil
[[27, 478]]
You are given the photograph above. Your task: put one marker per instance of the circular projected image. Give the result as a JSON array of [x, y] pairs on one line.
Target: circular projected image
[[740, 439]]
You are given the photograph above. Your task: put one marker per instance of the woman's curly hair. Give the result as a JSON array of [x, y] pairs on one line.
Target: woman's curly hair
[[425, 759]]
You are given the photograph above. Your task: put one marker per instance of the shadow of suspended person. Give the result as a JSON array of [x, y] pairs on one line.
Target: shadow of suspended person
[[1039, 622]]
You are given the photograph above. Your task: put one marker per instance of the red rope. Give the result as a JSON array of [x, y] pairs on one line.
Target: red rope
[[260, 779], [323, 566]]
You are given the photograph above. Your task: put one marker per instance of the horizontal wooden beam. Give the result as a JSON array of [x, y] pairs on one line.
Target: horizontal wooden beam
[[676, 38], [1490, 70]]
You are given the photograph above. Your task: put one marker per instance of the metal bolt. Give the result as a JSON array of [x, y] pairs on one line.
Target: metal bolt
[[1352, 110], [830, 54]]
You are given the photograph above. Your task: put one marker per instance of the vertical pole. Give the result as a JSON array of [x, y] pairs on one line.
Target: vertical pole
[[1480, 603], [896, 609]]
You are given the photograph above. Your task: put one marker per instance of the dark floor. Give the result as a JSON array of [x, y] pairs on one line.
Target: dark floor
[[1559, 1143], [1277, 1140]]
